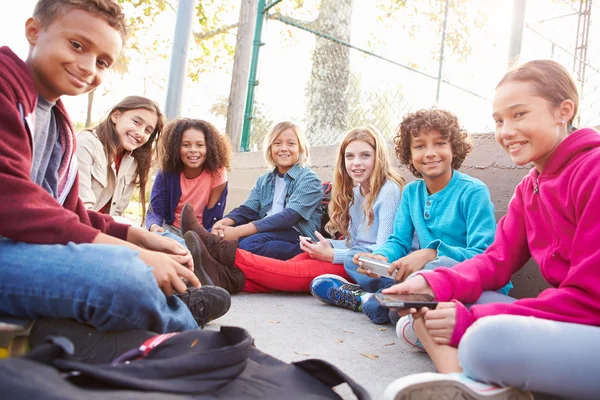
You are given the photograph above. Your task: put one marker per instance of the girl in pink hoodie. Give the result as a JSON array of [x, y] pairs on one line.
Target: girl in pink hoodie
[[545, 344]]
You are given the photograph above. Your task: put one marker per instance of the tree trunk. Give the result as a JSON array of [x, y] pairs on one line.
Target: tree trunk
[[327, 109], [88, 118], [241, 71]]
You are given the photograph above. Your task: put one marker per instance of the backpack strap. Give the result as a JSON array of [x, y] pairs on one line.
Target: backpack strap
[[331, 376]]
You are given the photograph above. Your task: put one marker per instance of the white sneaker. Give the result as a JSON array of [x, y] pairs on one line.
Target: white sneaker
[[405, 331], [432, 386]]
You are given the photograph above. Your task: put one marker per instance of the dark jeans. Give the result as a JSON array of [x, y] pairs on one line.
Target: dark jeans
[[370, 308], [280, 245]]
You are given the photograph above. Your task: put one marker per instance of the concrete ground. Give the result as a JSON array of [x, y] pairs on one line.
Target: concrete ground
[[294, 327]]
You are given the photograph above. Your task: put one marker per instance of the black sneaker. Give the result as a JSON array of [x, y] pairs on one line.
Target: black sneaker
[[207, 303], [90, 345]]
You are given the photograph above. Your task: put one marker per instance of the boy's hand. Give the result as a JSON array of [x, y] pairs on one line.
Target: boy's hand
[[218, 227], [236, 232], [417, 284], [156, 228], [321, 250], [413, 262], [440, 322], [168, 272], [150, 241], [362, 269]]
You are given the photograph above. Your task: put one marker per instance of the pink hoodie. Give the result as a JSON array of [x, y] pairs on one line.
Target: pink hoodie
[[553, 217]]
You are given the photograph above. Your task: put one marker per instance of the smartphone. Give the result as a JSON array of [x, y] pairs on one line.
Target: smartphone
[[376, 266], [410, 300], [309, 240]]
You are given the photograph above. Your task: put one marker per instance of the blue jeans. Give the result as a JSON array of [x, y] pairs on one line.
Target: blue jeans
[[371, 307], [280, 245], [106, 285]]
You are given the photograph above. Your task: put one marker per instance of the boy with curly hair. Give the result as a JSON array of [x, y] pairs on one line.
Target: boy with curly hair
[[58, 259], [446, 215]]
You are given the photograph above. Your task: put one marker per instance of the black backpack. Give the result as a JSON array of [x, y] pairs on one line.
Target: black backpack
[[196, 364]]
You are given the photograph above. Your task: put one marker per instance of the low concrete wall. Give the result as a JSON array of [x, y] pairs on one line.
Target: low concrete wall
[[488, 163]]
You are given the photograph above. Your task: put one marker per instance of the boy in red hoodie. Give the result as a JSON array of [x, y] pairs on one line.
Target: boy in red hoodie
[[56, 258]]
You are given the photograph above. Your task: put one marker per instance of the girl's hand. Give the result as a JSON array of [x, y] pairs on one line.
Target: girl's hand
[[413, 262], [417, 284], [168, 272], [156, 228], [440, 322], [364, 270], [321, 250]]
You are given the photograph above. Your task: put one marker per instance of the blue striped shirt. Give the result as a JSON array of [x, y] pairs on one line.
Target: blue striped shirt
[[303, 195]]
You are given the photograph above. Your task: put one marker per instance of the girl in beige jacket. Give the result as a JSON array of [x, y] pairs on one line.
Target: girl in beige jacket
[[116, 155]]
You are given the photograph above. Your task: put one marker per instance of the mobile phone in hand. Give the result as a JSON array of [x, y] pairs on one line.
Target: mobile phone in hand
[[377, 267], [309, 240], [409, 300]]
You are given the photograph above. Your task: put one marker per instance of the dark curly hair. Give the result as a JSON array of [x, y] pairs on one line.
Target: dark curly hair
[[218, 149], [422, 121]]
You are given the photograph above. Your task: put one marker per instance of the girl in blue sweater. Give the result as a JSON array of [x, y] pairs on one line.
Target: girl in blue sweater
[[444, 217]]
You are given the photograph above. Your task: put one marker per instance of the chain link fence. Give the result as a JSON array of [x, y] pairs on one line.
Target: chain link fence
[[568, 31], [332, 65]]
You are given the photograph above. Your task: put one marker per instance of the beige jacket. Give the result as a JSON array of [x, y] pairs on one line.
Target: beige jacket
[[99, 183]]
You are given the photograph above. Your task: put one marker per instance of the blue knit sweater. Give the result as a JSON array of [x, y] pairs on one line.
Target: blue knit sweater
[[457, 221], [375, 235]]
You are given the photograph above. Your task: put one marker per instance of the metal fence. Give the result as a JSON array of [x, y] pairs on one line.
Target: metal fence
[[332, 65], [568, 31]]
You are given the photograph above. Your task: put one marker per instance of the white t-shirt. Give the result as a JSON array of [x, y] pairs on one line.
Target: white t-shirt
[[278, 197]]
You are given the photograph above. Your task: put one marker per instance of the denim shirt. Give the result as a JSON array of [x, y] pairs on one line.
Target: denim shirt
[[303, 195]]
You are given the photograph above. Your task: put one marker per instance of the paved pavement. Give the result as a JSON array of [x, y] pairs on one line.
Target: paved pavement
[[294, 327]]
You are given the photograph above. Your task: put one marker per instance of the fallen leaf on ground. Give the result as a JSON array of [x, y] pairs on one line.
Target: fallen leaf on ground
[[273, 322], [371, 356], [382, 329], [340, 340], [302, 354], [349, 332], [390, 344]]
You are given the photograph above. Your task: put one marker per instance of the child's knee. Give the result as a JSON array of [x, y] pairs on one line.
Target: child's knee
[[349, 265], [488, 347]]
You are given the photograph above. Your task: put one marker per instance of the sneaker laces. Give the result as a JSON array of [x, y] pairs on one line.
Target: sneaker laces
[[347, 296], [196, 305]]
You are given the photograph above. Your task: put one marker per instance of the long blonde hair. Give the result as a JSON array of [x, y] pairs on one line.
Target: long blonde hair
[[342, 194]]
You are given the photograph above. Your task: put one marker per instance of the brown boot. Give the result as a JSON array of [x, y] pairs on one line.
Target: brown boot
[[229, 278], [194, 245], [219, 248]]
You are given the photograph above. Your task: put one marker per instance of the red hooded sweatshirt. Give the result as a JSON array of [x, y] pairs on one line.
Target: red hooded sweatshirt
[[28, 213], [554, 217]]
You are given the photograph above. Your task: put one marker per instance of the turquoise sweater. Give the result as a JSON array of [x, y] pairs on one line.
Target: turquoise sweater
[[374, 236], [457, 221]]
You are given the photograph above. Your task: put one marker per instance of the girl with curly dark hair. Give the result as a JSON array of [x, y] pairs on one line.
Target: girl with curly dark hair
[[194, 160], [115, 156]]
